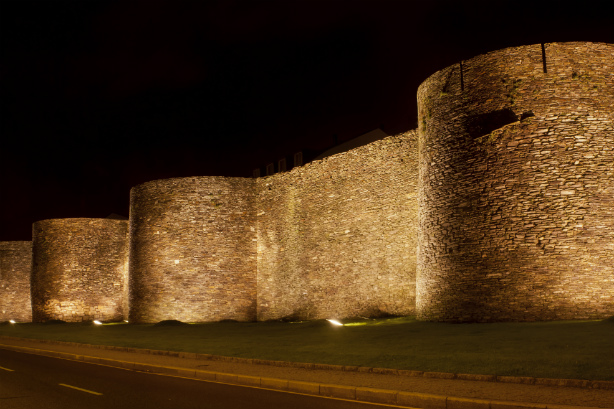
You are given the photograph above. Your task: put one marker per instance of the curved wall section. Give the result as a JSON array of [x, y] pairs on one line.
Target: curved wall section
[[337, 237], [193, 250], [15, 267], [517, 186], [79, 268]]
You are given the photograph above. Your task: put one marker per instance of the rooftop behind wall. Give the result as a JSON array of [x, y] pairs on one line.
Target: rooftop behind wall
[[79, 269], [337, 237], [15, 267]]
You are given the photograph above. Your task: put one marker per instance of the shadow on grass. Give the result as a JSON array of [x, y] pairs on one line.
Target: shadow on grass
[[558, 349]]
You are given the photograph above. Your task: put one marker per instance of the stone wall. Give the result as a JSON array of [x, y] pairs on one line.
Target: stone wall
[[79, 269], [193, 250], [337, 237], [502, 209], [15, 267], [517, 186]]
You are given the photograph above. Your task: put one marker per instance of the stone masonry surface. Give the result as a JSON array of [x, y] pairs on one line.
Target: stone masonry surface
[[193, 250], [500, 207], [15, 266], [337, 237], [517, 186], [79, 269]]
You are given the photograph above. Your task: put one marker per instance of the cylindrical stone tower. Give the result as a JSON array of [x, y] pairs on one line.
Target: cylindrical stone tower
[[193, 250], [15, 267], [517, 186], [79, 269]]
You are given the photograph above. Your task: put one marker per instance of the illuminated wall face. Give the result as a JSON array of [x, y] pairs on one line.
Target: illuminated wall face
[[193, 250], [78, 270], [516, 186], [15, 266], [337, 237], [499, 208]]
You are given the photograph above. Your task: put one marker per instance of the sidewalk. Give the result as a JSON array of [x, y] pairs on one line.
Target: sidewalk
[[404, 388]]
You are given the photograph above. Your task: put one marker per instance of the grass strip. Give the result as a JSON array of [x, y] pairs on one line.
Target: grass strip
[[557, 349]]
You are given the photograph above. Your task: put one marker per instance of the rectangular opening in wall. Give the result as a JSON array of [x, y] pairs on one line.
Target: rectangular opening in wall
[[461, 76], [256, 173], [298, 159], [270, 169], [281, 165], [544, 58]]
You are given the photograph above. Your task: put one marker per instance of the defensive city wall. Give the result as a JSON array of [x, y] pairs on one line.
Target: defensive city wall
[[500, 207], [517, 186], [15, 267], [79, 269], [331, 239]]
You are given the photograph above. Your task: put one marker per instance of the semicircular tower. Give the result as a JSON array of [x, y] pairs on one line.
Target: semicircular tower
[[79, 269], [517, 185], [193, 250], [15, 268]]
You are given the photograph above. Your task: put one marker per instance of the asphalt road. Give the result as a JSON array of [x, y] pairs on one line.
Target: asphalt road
[[38, 382]]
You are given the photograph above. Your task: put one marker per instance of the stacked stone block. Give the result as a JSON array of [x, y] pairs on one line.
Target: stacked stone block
[[337, 237], [193, 250], [499, 208], [517, 186], [15, 268], [79, 269]]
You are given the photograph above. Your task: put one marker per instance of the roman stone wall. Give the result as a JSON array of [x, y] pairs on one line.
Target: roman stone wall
[[193, 250], [517, 186], [79, 269], [337, 237], [15, 267], [499, 208]]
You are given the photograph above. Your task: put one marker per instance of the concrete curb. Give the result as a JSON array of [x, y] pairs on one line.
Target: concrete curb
[[526, 380], [383, 396]]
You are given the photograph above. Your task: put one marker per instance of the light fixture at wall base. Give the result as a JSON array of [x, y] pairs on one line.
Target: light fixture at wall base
[[335, 322]]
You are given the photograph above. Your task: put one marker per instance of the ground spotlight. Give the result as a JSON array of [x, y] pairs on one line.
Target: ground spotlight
[[12, 321], [97, 322], [335, 322]]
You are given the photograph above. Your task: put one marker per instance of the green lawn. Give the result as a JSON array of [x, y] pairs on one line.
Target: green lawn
[[560, 349]]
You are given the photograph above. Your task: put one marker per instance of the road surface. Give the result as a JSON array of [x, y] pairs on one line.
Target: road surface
[[39, 382]]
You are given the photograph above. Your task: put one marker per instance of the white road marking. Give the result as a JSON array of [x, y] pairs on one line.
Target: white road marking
[[80, 389]]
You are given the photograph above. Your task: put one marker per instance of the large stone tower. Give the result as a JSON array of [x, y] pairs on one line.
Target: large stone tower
[[15, 267], [193, 250], [517, 186], [79, 269]]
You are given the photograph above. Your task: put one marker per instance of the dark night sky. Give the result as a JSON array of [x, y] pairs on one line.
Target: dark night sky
[[100, 96]]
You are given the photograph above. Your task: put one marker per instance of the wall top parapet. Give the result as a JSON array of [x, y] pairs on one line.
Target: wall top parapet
[[515, 51]]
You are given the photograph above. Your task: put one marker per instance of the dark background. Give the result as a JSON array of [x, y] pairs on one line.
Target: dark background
[[100, 96]]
